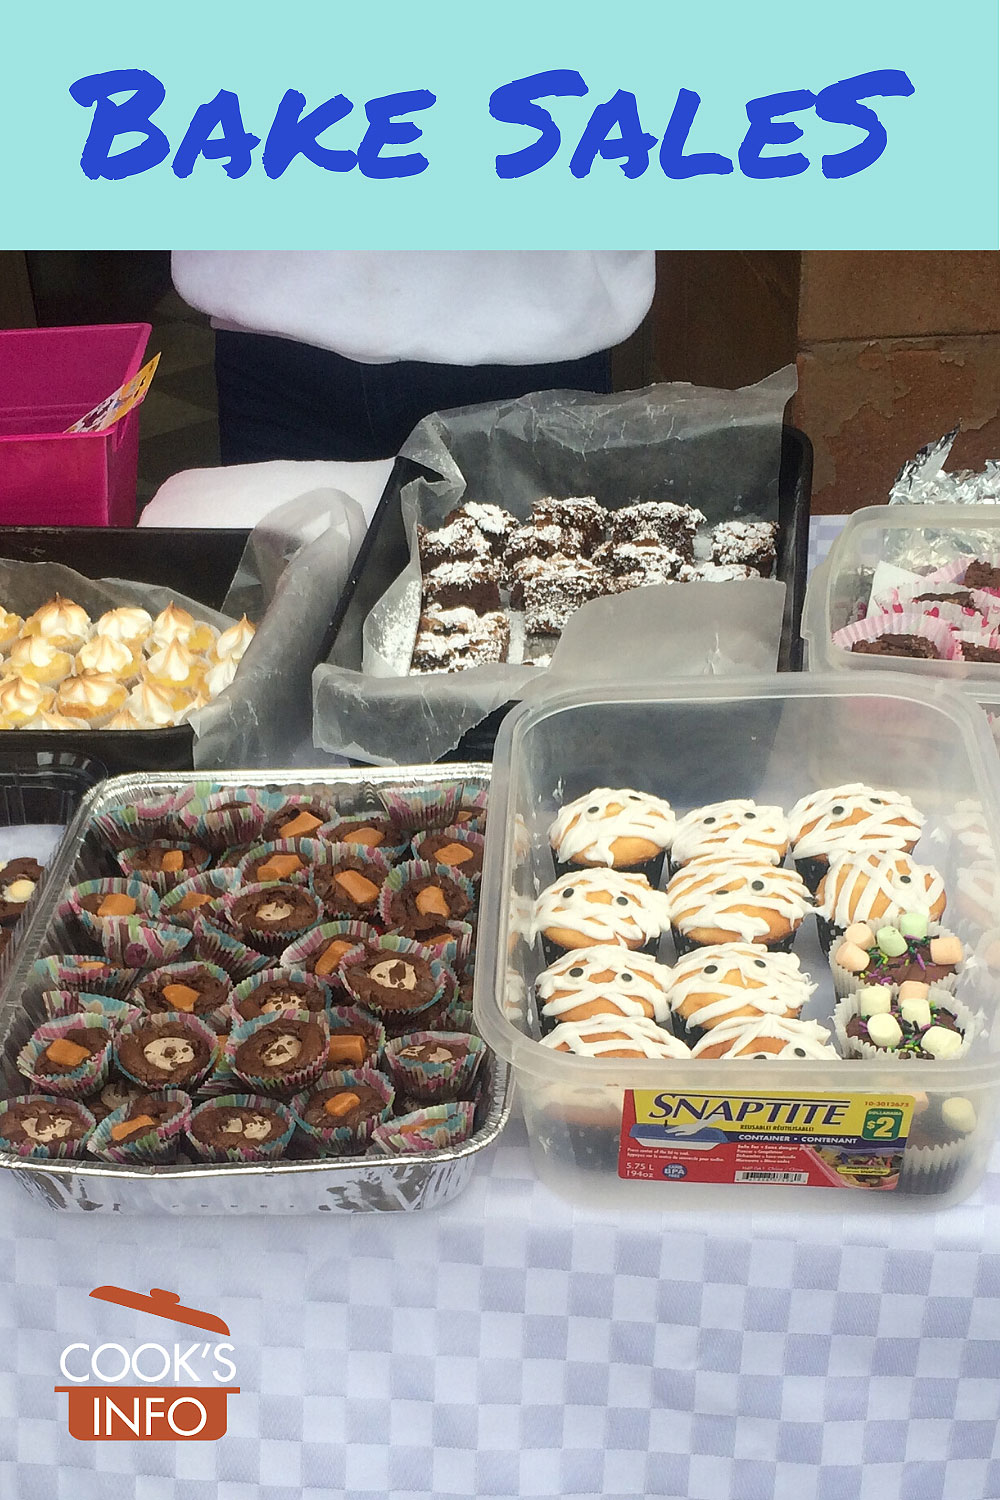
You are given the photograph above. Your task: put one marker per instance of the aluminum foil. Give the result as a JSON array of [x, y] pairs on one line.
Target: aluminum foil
[[923, 480], [335, 1185], [718, 450]]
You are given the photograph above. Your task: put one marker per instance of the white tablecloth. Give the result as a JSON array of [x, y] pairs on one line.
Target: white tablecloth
[[243, 494], [508, 1345]]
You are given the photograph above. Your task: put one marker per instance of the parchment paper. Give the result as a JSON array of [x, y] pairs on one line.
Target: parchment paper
[[718, 450], [292, 572]]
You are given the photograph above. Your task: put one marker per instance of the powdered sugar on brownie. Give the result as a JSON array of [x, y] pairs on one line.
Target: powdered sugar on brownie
[[748, 542]]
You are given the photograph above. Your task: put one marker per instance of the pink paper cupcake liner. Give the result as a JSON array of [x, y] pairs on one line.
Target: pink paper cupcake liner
[[331, 833], [434, 1082], [58, 1150], [461, 835], [375, 865], [261, 1151], [908, 622], [72, 971], [244, 990], [435, 1128], [214, 883], [288, 1083], [191, 1023], [156, 1145], [162, 881], [81, 1081], [318, 800], [343, 1139]]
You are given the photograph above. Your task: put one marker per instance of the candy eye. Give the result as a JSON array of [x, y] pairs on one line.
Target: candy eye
[[634, 797], [621, 900], [748, 816], [711, 968], [904, 880], [594, 809], [798, 1052], [756, 885], [838, 812], [576, 973], [760, 963], [760, 1056], [625, 978], [877, 802], [708, 821], [567, 893]]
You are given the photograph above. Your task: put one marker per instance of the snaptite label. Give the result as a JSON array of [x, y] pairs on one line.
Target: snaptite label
[[792, 1139]]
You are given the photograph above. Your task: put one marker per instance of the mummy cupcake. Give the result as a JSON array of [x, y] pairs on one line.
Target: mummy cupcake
[[735, 827], [724, 899], [879, 888], [615, 1036], [766, 1038], [601, 906], [727, 982], [850, 819], [612, 826], [604, 980]]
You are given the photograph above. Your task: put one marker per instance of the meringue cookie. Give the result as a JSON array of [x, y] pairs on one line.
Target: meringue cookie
[[176, 624], [154, 706], [125, 719], [128, 624], [102, 653], [218, 678], [36, 657], [49, 719], [95, 697], [21, 699], [232, 643], [175, 666], [60, 621], [11, 626]]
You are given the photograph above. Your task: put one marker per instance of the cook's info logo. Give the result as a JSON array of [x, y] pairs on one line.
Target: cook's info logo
[[161, 1407]]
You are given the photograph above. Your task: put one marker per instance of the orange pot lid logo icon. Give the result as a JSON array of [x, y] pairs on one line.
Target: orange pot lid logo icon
[[102, 1408]]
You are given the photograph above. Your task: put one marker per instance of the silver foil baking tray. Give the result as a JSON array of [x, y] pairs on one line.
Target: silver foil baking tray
[[361, 1184]]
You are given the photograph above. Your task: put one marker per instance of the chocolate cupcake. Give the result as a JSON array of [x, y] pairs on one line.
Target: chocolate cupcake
[[939, 1145], [270, 916], [393, 976], [438, 1127], [37, 1127], [200, 990], [202, 895], [18, 881], [419, 900], [913, 1021], [112, 1096], [166, 1051], [95, 902], [320, 951], [457, 848], [298, 818], [240, 1127], [145, 1130], [431, 1067], [275, 990], [279, 1054], [281, 859], [349, 882], [57, 1003], [357, 1039], [896, 953], [70, 1056], [165, 863], [342, 1108], [372, 831]]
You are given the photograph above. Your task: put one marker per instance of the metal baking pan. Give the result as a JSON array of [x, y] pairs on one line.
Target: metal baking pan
[[199, 563], [384, 554], [335, 1185]]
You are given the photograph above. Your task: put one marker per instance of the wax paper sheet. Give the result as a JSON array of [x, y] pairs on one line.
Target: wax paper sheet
[[716, 449], [291, 574]]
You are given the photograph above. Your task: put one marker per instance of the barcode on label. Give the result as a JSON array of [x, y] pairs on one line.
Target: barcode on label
[[771, 1177]]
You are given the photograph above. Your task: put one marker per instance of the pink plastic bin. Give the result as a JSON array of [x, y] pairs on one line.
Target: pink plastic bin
[[49, 379]]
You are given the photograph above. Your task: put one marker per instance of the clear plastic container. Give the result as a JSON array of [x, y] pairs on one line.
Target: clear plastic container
[[774, 739], [920, 538]]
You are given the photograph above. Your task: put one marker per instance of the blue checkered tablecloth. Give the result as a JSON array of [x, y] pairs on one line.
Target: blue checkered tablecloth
[[510, 1345]]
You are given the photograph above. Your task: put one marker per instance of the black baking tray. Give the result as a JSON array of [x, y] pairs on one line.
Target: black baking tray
[[384, 554], [199, 563]]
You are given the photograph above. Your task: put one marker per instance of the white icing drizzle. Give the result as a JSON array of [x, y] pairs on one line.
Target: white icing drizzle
[[603, 1034], [854, 882], [801, 1038], [573, 977], [773, 983], [737, 825], [635, 911], [697, 898], [587, 827], [891, 821]]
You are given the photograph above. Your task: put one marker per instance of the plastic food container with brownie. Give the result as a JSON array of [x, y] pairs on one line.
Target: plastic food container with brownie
[[504, 522], [911, 588], [253, 994], [741, 942]]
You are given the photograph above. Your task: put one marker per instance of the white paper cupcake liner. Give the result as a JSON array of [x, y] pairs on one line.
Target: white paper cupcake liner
[[908, 622]]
